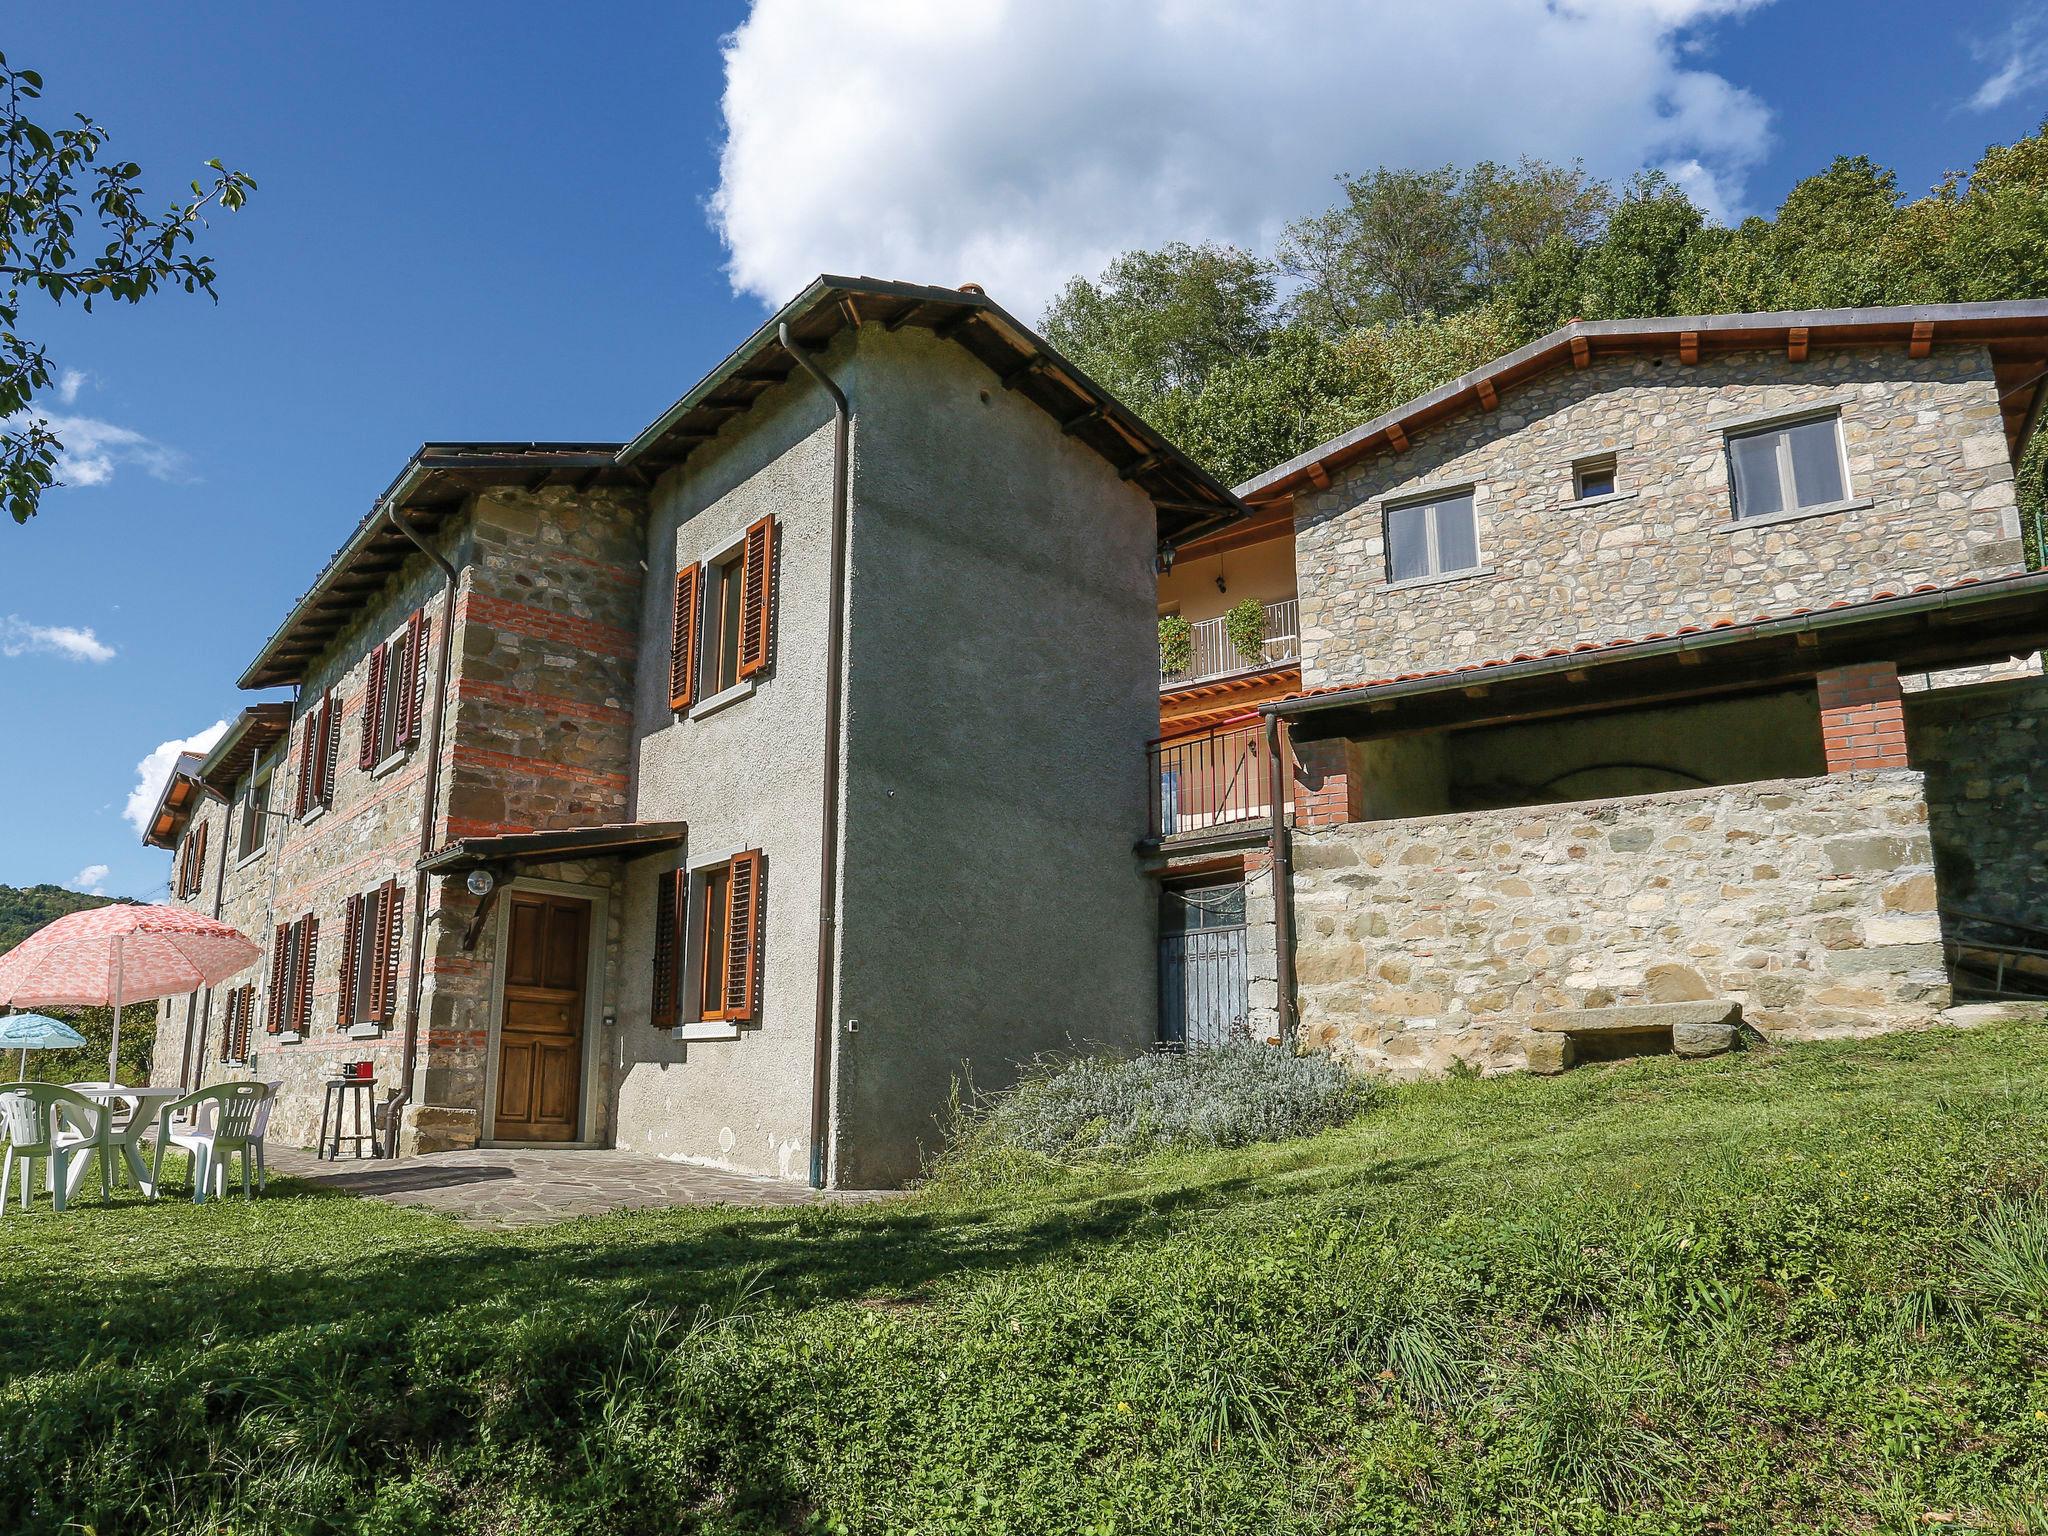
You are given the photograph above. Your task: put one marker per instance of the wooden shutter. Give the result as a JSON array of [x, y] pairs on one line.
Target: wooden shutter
[[280, 957], [373, 710], [682, 645], [227, 1025], [243, 1019], [742, 934], [351, 939], [302, 792], [668, 947], [757, 596], [412, 702], [309, 944], [391, 937], [330, 747]]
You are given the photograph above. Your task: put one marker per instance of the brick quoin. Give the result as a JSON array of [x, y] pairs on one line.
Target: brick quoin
[[543, 624], [1862, 717], [1327, 793]]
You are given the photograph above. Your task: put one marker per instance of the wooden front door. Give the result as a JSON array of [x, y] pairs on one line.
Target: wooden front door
[[540, 1038]]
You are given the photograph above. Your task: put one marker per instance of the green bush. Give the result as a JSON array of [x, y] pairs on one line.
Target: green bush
[[1176, 644], [1246, 626], [1114, 1108]]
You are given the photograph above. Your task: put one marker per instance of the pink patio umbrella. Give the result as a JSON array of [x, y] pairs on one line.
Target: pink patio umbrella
[[111, 955]]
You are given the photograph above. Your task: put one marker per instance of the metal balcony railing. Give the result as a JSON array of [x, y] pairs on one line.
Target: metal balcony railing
[[1215, 656], [1216, 779]]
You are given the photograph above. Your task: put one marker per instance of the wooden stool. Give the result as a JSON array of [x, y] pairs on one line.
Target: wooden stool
[[335, 1107]]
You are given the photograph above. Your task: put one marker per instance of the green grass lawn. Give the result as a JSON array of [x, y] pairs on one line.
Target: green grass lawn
[[1788, 1290]]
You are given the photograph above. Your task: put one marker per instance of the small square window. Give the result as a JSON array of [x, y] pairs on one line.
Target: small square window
[[1432, 538], [1787, 467], [1594, 477]]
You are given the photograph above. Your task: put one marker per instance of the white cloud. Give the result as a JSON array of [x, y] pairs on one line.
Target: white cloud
[[18, 637], [1015, 143], [154, 772], [93, 450], [90, 879], [69, 382], [2019, 58]]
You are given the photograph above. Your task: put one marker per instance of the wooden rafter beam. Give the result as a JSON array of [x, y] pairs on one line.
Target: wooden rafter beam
[[901, 318], [1022, 371], [1139, 466], [1318, 476], [851, 309], [1688, 347], [949, 327], [1582, 352], [1489, 397], [1398, 438], [1795, 344], [1922, 341], [1080, 419]]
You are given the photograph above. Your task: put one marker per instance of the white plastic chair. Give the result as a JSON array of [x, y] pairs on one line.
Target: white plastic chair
[[260, 1127], [50, 1124], [213, 1125]]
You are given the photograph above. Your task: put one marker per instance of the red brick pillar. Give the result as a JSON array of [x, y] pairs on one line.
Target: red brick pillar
[[1328, 788], [1862, 717]]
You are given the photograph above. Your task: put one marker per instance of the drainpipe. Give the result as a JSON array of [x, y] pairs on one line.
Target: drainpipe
[[428, 802], [1283, 872], [828, 857]]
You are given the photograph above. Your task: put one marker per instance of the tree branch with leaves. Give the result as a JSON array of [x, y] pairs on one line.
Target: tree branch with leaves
[[63, 195]]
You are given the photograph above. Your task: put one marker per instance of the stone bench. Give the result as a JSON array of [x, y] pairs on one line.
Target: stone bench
[[1702, 1028]]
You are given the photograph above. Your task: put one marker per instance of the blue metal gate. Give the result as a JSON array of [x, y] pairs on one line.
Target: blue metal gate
[[1201, 964]]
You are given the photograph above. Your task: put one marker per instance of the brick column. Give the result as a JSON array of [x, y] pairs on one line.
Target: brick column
[[1328, 788], [1862, 717]]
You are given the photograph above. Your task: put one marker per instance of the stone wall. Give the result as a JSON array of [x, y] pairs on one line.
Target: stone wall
[[1930, 487], [1809, 901], [1982, 749]]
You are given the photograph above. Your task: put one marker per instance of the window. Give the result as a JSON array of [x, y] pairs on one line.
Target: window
[[1432, 538], [1787, 467], [319, 740], [370, 941], [291, 976], [191, 870], [394, 700], [234, 1027], [720, 647], [255, 814], [1593, 477], [708, 940], [722, 628]]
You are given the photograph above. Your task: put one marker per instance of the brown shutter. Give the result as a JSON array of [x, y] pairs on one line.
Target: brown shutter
[[280, 1005], [757, 596], [373, 710], [244, 1020], [351, 937], [419, 629], [668, 947], [330, 746], [302, 792], [391, 922], [227, 1024], [309, 944], [682, 645], [742, 933]]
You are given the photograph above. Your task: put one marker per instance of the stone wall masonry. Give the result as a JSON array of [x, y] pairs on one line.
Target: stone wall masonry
[[1930, 486], [1808, 901], [1982, 748]]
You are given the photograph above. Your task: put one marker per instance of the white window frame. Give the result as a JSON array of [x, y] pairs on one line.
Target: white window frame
[[254, 815], [1787, 478], [690, 972], [1431, 499], [1608, 464], [710, 698]]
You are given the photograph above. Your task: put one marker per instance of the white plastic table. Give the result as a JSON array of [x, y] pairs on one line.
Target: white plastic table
[[125, 1138]]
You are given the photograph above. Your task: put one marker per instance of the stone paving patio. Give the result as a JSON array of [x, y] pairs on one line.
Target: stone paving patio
[[501, 1187]]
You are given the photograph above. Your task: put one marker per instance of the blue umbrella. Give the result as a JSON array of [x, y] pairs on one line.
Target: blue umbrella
[[36, 1032]]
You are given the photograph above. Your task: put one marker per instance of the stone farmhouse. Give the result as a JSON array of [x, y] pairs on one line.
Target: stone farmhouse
[[733, 792], [1614, 699]]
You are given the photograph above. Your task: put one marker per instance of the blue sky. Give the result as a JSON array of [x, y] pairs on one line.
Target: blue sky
[[506, 221]]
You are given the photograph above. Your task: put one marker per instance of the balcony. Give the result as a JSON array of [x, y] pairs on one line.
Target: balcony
[[1213, 782], [1213, 654]]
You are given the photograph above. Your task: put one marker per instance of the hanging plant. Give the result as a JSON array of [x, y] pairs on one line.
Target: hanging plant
[[1176, 644], [1246, 626]]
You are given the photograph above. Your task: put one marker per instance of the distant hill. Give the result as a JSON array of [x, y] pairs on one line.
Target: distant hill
[[24, 909]]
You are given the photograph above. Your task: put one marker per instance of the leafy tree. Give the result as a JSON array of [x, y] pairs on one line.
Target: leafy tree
[[58, 193], [24, 909], [1644, 260], [1164, 320]]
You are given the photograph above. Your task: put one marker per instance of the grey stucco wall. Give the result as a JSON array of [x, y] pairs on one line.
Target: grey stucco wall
[[1002, 663], [1930, 487], [748, 776]]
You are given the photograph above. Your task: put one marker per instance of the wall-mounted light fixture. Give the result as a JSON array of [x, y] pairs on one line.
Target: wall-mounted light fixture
[[1166, 554]]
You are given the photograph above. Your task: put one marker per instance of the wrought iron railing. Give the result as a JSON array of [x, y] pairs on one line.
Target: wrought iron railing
[[1217, 779], [1214, 654]]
